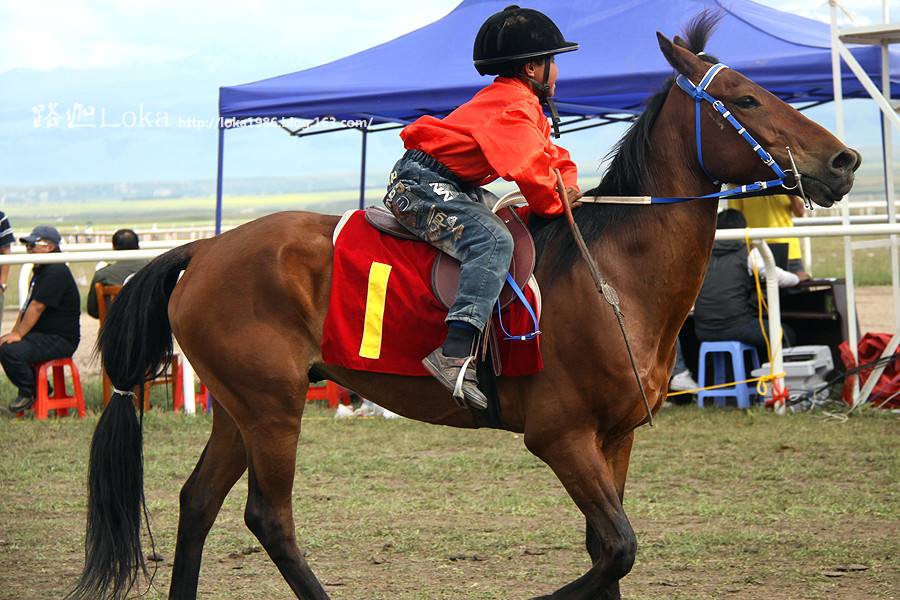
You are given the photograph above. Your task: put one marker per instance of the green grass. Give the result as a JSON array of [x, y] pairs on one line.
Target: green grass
[[870, 266], [724, 503]]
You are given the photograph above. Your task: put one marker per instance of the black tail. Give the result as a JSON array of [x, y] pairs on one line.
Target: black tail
[[136, 343]]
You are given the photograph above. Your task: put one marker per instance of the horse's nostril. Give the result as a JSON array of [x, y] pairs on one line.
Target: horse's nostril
[[844, 161]]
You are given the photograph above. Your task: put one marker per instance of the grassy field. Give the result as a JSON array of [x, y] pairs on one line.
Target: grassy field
[[724, 503], [870, 266]]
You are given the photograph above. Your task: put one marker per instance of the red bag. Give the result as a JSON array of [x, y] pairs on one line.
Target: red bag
[[870, 348]]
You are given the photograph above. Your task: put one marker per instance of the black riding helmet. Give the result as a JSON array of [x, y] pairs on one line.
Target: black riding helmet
[[516, 35]]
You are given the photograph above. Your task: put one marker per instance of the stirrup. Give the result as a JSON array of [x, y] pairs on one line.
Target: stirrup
[[465, 394]]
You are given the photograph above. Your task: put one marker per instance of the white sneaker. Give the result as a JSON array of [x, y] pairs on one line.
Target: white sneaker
[[367, 409], [343, 411], [683, 381]]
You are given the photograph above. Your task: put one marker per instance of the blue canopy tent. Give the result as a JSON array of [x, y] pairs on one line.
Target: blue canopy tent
[[429, 70]]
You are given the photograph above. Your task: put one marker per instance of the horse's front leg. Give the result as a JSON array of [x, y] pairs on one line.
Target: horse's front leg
[[618, 454], [578, 459]]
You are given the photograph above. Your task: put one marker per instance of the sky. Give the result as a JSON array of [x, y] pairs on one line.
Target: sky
[[128, 58]]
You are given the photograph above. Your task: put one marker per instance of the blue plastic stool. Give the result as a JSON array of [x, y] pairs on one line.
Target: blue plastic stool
[[720, 352]]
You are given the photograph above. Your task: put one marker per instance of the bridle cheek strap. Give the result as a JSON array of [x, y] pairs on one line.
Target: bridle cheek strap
[[699, 94]]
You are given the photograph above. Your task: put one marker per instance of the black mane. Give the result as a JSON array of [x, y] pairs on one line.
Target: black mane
[[627, 174]]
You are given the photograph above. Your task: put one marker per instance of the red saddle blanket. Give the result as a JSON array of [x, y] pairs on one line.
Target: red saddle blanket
[[383, 315]]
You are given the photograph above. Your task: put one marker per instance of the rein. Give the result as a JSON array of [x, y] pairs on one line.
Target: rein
[[699, 94], [603, 286]]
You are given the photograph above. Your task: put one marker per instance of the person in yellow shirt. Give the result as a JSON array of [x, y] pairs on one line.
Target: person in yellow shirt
[[777, 210]]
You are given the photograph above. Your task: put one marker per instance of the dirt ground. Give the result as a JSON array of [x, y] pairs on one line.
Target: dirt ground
[[874, 307]]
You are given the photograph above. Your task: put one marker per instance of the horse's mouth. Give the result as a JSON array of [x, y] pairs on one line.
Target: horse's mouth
[[823, 194]]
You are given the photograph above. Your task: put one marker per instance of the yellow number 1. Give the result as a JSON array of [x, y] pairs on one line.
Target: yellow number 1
[[374, 322]]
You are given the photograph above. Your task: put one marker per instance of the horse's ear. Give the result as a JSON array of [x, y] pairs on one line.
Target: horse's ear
[[679, 42], [682, 60]]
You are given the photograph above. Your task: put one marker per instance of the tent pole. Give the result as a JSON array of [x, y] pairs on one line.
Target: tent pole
[[219, 181], [362, 171], [838, 90], [887, 151]]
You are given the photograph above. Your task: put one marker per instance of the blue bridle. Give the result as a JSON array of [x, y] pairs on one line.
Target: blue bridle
[[699, 94]]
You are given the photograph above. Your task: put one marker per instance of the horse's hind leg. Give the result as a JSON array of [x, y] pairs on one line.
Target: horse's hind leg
[[269, 515], [223, 461], [578, 461]]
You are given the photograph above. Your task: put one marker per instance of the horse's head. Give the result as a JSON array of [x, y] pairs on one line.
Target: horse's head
[[824, 162]]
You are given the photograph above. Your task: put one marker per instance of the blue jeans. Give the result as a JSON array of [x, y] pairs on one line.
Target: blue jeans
[[680, 366], [433, 204]]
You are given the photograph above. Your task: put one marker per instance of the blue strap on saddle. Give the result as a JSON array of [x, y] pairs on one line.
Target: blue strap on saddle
[[521, 296]]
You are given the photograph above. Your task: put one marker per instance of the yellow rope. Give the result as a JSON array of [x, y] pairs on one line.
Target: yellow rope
[[761, 387]]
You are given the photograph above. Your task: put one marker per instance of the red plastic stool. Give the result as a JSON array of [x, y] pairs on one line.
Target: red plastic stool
[[201, 399], [330, 392], [59, 401]]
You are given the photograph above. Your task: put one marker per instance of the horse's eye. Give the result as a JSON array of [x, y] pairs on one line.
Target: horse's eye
[[746, 102]]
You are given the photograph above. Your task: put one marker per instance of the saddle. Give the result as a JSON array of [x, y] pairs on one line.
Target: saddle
[[445, 272]]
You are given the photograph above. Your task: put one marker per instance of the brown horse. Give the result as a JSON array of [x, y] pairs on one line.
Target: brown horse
[[249, 314]]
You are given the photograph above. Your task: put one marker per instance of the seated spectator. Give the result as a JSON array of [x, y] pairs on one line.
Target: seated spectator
[[726, 308], [776, 210], [47, 326], [117, 272]]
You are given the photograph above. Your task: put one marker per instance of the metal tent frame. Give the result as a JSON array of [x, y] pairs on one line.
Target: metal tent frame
[[882, 35]]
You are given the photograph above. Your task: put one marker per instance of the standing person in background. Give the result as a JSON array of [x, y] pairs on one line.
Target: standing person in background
[[777, 210], [117, 272], [6, 240]]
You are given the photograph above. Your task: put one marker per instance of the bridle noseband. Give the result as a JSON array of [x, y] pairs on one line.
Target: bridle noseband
[[699, 94]]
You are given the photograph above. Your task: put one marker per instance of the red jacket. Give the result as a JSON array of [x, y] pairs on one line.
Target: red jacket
[[500, 132]]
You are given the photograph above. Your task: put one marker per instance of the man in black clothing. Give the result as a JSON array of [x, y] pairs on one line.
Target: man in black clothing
[[726, 308], [48, 326]]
